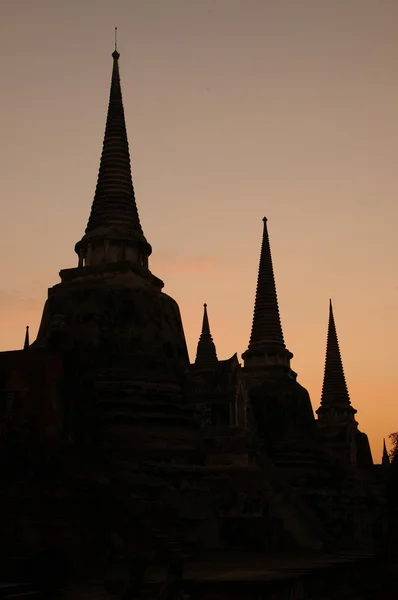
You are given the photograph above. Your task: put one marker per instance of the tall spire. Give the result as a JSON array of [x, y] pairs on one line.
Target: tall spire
[[266, 334], [385, 461], [114, 216], [334, 391], [26, 343], [206, 355]]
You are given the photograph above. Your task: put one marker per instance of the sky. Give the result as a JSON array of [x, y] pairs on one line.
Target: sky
[[235, 110]]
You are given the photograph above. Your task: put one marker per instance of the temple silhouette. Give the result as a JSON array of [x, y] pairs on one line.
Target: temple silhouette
[[128, 470]]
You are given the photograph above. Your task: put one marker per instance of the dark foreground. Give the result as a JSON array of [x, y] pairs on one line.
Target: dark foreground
[[345, 576]]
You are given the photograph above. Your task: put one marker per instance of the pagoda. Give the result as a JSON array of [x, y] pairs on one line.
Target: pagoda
[[281, 406]]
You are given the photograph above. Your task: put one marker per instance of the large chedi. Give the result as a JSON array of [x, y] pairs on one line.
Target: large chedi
[[110, 317], [97, 434], [94, 302], [336, 422], [282, 407]]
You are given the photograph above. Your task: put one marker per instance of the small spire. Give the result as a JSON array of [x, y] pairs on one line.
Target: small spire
[[206, 355], [115, 39], [334, 389], [26, 343], [385, 461], [266, 328]]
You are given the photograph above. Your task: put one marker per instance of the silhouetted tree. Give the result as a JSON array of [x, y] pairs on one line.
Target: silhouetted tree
[[392, 479], [393, 437]]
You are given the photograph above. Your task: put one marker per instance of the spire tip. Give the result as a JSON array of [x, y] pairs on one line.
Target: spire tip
[[115, 53]]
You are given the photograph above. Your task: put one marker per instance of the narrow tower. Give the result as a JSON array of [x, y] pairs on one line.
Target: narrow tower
[[206, 355], [336, 422], [266, 347], [335, 401], [385, 461]]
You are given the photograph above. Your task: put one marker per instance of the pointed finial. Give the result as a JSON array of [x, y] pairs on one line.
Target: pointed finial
[[115, 54], [26, 343]]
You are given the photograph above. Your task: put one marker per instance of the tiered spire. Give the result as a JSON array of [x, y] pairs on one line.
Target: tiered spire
[[385, 461], [266, 338], [206, 355], [334, 391], [266, 328], [114, 200], [114, 211], [26, 343]]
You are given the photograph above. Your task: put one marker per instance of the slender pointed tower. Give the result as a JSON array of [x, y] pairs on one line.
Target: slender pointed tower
[[385, 461], [217, 391], [206, 355], [266, 346], [336, 416], [335, 401], [114, 231], [281, 406]]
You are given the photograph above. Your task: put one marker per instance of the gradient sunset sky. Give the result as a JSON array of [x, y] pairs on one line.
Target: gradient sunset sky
[[235, 110]]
